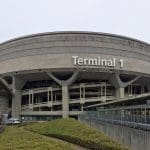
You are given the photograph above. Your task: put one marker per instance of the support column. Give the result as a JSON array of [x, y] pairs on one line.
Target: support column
[[65, 101], [120, 92], [120, 85], [103, 92], [50, 97], [65, 91], [31, 97], [17, 85], [16, 104], [81, 107], [47, 96], [82, 91]]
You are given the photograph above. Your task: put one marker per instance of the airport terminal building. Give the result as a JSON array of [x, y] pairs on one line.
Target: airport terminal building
[[63, 74]]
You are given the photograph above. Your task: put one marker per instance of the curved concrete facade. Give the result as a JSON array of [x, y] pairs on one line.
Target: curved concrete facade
[[78, 55], [55, 50]]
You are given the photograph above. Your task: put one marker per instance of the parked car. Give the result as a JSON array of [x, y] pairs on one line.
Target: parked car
[[13, 121]]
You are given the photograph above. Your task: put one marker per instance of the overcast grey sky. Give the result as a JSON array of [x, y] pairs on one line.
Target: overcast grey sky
[[124, 17]]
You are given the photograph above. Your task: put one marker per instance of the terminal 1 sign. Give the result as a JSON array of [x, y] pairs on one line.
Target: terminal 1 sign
[[98, 61]]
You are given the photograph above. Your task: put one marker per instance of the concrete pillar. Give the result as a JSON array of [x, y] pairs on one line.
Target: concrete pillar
[[130, 92], [16, 104], [65, 91], [81, 107], [48, 96], [120, 85], [17, 85], [82, 91], [31, 97], [120, 92], [65, 101], [103, 92]]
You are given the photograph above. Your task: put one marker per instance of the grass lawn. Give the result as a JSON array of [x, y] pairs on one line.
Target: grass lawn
[[16, 138], [76, 132]]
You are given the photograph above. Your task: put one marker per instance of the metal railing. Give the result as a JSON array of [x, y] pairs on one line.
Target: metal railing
[[136, 116]]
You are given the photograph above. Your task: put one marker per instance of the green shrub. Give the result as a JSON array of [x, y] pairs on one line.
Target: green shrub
[[15, 138], [75, 132]]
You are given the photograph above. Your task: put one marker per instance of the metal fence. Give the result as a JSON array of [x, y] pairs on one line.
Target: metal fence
[[133, 116]]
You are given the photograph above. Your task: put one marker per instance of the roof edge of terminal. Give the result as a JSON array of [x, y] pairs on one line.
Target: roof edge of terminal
[[74, 32]]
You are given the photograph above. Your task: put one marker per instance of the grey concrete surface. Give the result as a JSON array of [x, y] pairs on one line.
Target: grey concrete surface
[[36, 57]]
